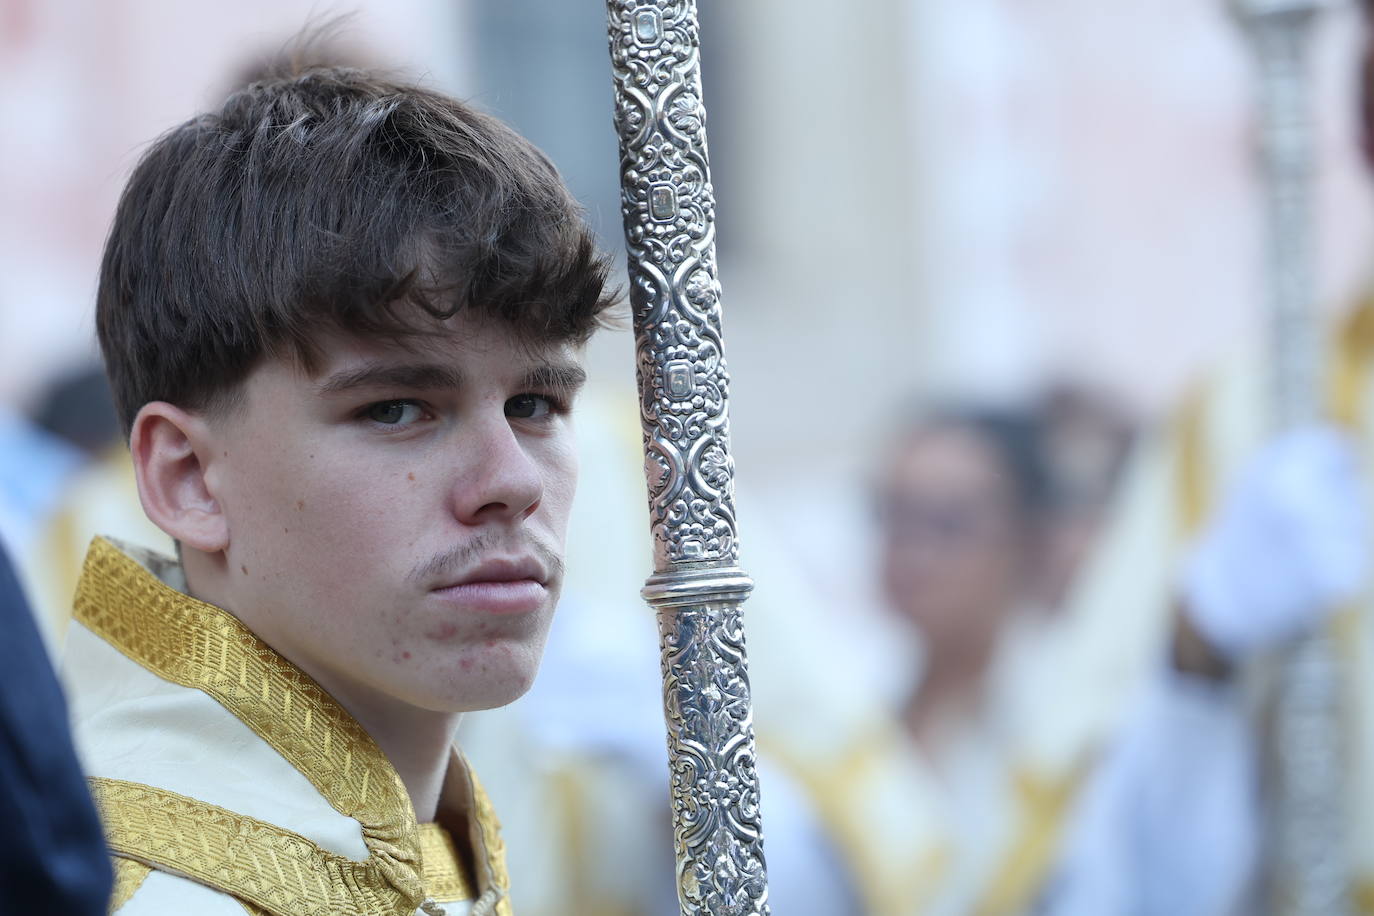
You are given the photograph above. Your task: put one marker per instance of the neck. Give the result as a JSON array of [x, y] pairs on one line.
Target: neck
[[950, 691], [418, 742]]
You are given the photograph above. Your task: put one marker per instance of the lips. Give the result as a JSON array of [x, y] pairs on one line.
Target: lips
[[503, 569], [499, 586]]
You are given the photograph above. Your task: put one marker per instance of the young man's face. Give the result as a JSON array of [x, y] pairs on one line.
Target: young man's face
[[397, 519]]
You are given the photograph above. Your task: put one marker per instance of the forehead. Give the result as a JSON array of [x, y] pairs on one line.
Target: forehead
[[945, 460]]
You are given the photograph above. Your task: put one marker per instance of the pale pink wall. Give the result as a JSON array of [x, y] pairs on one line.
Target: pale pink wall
[[1088, 189]]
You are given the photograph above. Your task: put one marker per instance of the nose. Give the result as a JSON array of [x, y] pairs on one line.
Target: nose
[[498, 479]]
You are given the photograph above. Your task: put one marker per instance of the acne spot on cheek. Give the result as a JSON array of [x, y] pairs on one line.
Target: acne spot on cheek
[[465, 664], [410, 476], [405, 655], [300, 505], [491, 644], [443, 631]]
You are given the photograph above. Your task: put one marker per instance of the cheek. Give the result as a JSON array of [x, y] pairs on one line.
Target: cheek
[[355, 521], [293, 511], [1006, 559], [909, 575], [560, 485], [258, 497]]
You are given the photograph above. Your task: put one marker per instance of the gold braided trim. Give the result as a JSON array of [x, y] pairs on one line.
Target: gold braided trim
[[445, 878], [198, 645], [1044, 802], [833, 787], [1362, 895], [498, 877], [1194, 483], [128, 878], [282, 872], [571, 800], [1350, 361], [252, 910]]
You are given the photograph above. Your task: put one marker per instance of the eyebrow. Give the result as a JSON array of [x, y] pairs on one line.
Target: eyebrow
[[427, 376], [435, 376], [556, 377]]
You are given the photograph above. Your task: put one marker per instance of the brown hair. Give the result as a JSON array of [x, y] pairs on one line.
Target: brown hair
[[332, 199]]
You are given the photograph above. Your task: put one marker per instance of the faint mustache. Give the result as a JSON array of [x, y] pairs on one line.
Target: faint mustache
[[450, 564]]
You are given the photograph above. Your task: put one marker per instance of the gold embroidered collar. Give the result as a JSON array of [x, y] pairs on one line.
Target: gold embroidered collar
[[200, 646]]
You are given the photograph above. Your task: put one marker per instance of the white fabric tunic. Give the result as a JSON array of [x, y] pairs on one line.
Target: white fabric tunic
[[229, 781]]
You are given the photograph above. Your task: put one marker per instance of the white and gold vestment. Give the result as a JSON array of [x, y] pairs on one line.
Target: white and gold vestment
[[229, 781]]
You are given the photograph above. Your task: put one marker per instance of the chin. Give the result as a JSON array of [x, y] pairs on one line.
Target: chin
[[493, 699], [483, 680]]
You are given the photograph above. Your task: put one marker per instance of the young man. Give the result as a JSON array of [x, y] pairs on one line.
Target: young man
[[342, 318]]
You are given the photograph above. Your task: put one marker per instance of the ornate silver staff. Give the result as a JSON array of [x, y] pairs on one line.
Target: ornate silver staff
[[1310, 869], [697, 587]]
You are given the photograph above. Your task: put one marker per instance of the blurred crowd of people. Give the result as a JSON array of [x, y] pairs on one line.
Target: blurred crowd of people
[[1062, 732]]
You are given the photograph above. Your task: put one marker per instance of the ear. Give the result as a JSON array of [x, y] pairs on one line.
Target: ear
[[171, 448]]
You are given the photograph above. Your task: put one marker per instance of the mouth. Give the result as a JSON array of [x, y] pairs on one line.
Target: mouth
[[517, 585]]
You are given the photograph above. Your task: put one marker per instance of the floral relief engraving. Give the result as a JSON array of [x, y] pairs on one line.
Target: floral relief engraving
[[669, 211], [668, 206], [714, 781]]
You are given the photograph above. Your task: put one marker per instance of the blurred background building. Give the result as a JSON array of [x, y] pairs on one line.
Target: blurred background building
[[972, 197]]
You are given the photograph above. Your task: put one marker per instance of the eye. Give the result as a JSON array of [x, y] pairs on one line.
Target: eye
[[394, 413], [528, 407]]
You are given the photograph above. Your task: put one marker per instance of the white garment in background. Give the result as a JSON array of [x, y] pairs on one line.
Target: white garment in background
[[1170, 824]]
